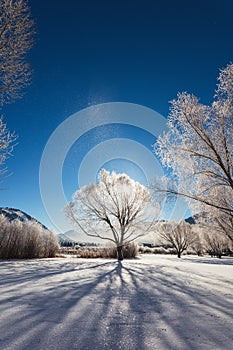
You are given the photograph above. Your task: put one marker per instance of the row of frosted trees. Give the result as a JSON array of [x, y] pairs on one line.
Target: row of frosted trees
[[197, 238]]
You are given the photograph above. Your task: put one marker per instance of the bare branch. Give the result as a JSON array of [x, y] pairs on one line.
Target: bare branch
[[114, 209], [16, 38]]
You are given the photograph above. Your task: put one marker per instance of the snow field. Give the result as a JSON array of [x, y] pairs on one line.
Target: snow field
[[151, 303]]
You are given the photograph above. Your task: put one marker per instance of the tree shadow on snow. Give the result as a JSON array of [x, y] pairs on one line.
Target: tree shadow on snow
[[111, 306], [211, 261]]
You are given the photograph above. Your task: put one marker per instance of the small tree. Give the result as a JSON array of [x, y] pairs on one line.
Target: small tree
[[216, 244], [116, 208], [197, 247], [180, 235]]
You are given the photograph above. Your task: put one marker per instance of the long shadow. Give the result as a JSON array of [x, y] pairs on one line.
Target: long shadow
[[112, 305], [211, 261]]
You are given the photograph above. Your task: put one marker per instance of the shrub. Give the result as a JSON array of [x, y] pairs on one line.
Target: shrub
[[26, 240], [160, 250], [146, 250], [110, 251], [130, 251], [157, 250], [90, 253]]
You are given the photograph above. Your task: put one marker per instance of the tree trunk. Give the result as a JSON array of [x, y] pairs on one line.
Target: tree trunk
[[120, 252], [179, 254]]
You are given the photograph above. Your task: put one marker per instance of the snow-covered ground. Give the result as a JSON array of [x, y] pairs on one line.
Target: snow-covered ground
[[155, 302]]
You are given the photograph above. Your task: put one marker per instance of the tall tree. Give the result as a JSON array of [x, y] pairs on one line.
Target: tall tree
[[16, 38], [116, 208], [198, 148]]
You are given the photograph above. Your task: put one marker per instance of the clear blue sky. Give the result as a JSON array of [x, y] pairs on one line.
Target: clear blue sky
[[89, 52]]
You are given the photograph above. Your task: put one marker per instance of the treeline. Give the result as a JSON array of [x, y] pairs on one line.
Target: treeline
[[196, 239], [26, 240]]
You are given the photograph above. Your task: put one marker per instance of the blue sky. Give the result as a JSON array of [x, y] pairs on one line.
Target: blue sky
[[87, 53]]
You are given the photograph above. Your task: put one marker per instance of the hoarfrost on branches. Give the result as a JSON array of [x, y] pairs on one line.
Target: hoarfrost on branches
[[16, 38], [180, 235], [198, 148], [6, 145], [26, 240], [116, 208]]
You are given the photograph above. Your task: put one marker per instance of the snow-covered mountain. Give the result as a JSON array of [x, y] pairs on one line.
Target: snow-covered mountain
[[14, 214], [63, 238], [74, 237]]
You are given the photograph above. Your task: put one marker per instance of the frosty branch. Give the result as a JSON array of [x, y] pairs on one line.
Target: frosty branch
[[198, 148], [16, 38], [116, 208]]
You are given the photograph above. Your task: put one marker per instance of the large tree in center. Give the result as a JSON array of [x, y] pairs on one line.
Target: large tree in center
[[116, 208]]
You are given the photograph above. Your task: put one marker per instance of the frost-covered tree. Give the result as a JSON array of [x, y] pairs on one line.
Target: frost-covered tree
[[116, 208], [26, 240], [7, 140], [180, 235], [220, 221], [16, 38], [198, 148], [216, 244]]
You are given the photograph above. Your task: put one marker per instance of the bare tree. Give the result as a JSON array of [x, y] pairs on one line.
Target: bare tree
[[198, 148], [216, 244], [197, 247], [180, 235], [116, 208], [16, 38]]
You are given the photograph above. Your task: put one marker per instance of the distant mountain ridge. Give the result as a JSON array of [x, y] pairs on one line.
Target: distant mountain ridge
[[17, 214], [63, 238], [191, 220], [196, 218]]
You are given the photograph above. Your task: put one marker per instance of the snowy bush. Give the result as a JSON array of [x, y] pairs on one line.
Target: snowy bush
[[110, 251], [146, 250], [129, 251], [25, 240]]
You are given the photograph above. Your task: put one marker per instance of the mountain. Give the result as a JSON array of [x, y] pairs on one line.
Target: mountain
[[194, 219], [191, 220], [17, 214], [74, 235], [63, 238]]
